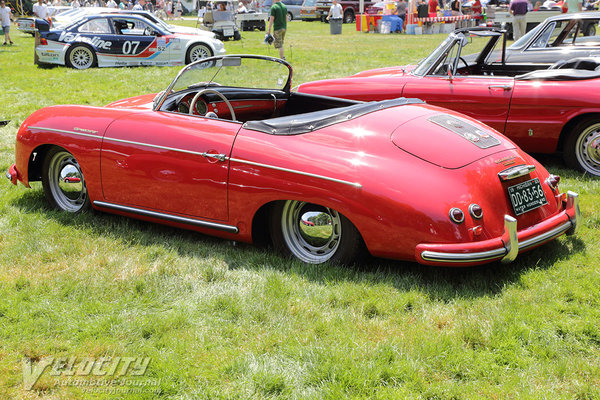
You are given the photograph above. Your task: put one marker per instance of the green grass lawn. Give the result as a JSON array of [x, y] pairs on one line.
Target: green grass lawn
[[219, 320]]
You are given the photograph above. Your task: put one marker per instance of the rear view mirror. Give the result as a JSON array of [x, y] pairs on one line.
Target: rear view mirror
[[232, 61]]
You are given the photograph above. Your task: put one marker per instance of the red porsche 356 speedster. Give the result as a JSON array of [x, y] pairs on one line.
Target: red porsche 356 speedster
[[323, 177]]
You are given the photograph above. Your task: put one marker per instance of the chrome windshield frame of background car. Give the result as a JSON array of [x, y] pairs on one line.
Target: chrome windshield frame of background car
[[286, 88]]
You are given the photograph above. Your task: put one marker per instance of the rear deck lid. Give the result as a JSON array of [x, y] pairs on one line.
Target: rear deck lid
[[449, 140]]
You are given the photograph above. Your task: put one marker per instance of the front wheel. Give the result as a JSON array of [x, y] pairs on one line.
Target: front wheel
[[197, 52], [314, 234], [63, 182], [582, 148], [80, 57]]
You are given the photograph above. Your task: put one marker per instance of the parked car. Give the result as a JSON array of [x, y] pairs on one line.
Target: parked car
[[544, 108], [308, 11], [108, 40], [293, 8], [228, 150], [559, 38]]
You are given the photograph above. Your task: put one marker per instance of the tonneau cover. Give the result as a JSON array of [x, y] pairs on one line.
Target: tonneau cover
[[303, 123], [567, 74]]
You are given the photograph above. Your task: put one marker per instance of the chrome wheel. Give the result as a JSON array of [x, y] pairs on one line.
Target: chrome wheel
[[81, 57], [587, 149], [198, 52], [312, 233], [64, 182]]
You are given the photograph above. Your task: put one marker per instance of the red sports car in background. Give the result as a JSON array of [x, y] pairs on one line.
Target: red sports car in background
[[322, 177], [544, 108]]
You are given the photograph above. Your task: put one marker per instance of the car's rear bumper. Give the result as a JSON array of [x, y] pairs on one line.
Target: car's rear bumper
[[12, 174], [509, 245]]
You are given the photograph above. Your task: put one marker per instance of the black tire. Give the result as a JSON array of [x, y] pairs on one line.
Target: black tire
[[582, 147], [290, 16], [237, 35], [63, 182], [348, 16], [332, 239], [80, 56], [197, 52]]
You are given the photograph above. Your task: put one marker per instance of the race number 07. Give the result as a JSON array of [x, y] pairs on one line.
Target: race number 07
[[130, 47]]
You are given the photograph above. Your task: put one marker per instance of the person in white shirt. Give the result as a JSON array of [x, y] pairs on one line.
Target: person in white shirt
[[111, 4], [5, 18], [242, 8], [335, 12], [140, 6], [75, 4], [40, 10]]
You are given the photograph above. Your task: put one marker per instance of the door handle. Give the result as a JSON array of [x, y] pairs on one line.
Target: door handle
[[218, 157], [503, 87]]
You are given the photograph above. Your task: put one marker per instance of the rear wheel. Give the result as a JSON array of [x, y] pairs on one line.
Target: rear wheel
[[237, 35], [197, 52], [582, 148], [290, 16], [348, 16], [314, 234], [80, 57], [63, 182]]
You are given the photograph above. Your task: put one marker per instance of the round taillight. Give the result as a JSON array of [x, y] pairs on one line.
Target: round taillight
[[476, 211], [456, 215]]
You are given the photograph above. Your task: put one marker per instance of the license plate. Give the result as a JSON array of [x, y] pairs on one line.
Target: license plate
[[227, 32], [527, 196]]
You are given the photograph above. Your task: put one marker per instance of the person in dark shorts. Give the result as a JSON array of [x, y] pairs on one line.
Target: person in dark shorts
[[278, 21]]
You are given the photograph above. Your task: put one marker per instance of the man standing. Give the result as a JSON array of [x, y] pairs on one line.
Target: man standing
[[278, 20], [573, 6], [140, 5], [40, 10], [335, 11], [5, 18], [518, 9]]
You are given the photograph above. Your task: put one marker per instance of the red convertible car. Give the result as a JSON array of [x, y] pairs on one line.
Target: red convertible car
[[322, 177], [544, 108]]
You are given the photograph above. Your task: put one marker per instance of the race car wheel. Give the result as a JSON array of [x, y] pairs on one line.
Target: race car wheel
[[314, 234], [63, 182], [197, 52], [582, 148], [80, 57]]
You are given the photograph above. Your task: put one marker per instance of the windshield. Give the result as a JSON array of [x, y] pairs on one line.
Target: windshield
[[309, 3], [525, 38], [460, 50], [254, 72]]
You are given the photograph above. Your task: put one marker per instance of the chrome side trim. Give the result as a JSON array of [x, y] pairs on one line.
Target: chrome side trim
[[8, 176], [293, 171], [516, 172], [510, 239], [168, 217], [220, 157], [573, 201], [559, 230], [65, 131]]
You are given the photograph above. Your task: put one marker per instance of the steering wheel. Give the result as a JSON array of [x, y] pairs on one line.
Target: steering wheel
[[147, 31], [203, 91]]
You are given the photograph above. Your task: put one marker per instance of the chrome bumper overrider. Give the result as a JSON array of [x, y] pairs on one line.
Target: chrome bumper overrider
[[512, 247]]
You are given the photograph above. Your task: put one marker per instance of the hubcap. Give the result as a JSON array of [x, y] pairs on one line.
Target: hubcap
[[81, 57], [588, 149], [198, 53], [312, 232], [66, 182]]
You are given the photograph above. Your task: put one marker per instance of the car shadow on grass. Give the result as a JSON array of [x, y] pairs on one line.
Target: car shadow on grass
[[439, 283]]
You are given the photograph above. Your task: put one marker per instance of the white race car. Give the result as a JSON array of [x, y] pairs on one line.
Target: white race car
[[109, 40]]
